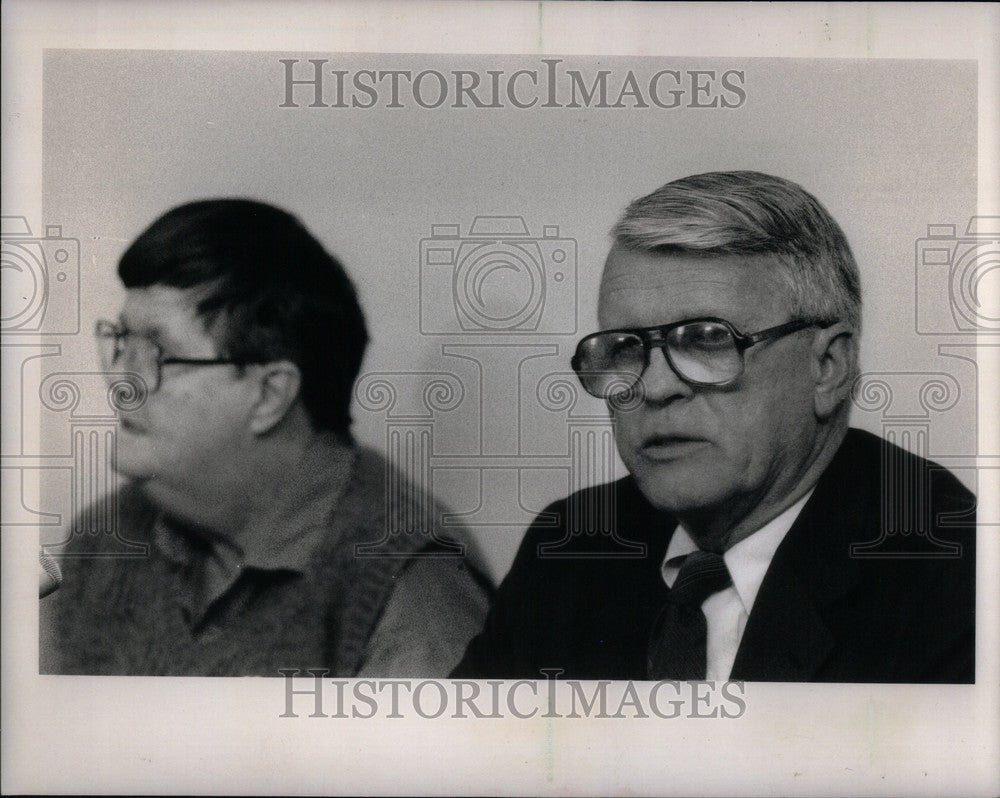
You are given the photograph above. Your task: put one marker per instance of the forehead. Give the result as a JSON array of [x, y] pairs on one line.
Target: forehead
[[640, 289], [166, 313]]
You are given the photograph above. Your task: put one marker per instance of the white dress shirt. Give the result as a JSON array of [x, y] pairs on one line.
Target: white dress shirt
[[727, 611]]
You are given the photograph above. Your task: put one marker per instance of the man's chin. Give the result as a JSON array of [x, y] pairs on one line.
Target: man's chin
[[679, 494], [132, 450], [131, 465]]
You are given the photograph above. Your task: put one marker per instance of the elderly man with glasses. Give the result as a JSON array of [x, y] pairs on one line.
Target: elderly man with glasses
[[751, 539], [274, 541]]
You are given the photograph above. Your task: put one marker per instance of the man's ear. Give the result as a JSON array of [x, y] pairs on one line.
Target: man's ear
[[280, 383], [834, 366]]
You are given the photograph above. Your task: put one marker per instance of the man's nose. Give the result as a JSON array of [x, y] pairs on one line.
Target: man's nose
[[127, 369], [128, 389], [660, 383], [124, 362]]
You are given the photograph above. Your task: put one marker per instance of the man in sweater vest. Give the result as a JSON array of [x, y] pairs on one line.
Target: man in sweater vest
[[757, 536], [271, 543]]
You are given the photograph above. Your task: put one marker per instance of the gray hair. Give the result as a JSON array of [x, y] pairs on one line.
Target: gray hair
[[750, 213]]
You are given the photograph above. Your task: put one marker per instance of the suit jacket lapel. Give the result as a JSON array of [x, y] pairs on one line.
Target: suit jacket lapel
[[786, 637]]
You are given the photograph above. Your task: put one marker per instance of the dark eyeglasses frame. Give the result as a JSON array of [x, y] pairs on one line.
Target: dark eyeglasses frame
[[108, 329], [656, 338]]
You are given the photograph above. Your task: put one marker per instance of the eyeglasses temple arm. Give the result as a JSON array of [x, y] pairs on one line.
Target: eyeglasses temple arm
[[194, 361], [774, 332]]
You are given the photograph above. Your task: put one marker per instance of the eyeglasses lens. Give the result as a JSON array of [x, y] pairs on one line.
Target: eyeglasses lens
[[704, 352], [128, 352], [610, 364]]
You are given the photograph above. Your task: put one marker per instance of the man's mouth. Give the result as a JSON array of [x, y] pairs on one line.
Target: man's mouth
[[129, 425], [670, 446]]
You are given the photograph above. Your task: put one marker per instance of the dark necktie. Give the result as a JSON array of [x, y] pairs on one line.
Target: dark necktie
[[677, 641]]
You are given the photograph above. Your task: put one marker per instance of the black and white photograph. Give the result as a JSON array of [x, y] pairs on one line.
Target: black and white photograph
[[501, 398]]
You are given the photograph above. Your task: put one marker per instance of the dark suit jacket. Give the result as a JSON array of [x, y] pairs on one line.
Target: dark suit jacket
[[848, 596]]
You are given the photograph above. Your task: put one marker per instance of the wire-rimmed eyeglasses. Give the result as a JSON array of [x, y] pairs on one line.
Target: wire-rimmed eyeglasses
[[119, 347]]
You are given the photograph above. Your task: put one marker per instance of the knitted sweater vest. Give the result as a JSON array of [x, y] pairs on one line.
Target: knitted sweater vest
[[122, 616]]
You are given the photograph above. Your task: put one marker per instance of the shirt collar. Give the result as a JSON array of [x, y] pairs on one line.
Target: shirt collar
[[747, 561]]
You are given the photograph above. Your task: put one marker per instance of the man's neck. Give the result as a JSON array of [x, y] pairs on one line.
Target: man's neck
[[222, 506], [721, 530]]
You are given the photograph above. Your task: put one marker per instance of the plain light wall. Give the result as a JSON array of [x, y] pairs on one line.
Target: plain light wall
[[887, 146]]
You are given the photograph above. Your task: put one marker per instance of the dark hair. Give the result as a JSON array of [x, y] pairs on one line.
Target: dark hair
[[277, 293]]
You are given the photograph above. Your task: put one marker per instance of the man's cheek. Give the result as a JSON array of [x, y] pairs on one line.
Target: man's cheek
[[628, 448]]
